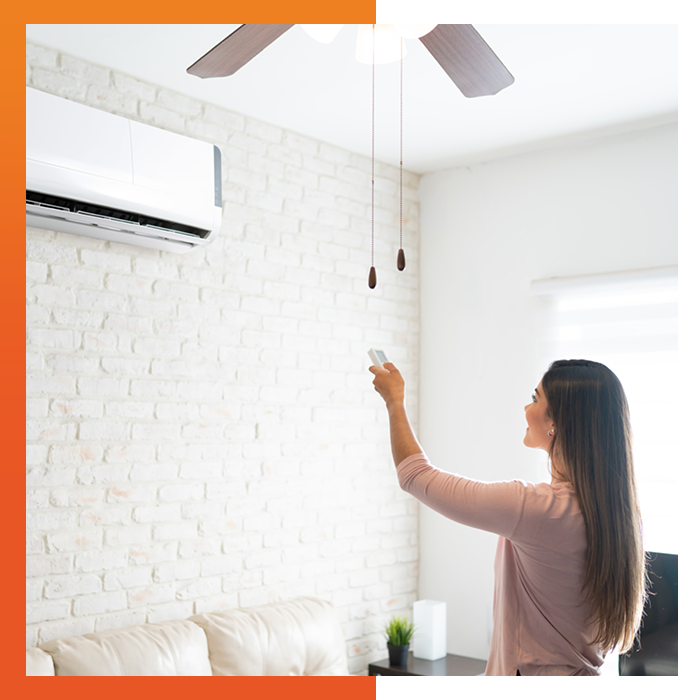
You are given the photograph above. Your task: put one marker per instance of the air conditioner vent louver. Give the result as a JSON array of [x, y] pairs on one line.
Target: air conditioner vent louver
[[55, 205]]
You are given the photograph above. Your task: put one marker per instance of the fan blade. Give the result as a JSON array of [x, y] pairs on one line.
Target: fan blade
[[467, 59], [237, 49]]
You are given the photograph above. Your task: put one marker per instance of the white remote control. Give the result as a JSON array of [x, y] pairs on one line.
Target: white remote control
[[378, 357]]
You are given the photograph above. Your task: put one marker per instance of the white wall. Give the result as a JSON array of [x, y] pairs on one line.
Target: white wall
[[202, 431], [486, 232]]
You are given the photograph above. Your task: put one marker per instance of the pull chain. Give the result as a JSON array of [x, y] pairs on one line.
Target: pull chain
[[401, 259], [372, 271]]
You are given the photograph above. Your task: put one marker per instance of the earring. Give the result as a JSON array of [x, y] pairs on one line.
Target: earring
[[551, 433]]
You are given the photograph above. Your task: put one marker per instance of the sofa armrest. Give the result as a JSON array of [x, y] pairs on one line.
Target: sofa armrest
[[39, 663]]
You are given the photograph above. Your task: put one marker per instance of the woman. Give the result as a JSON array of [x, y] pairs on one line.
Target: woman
[[570, 569]]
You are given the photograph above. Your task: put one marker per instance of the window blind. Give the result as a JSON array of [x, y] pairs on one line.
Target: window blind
[[629, 322]]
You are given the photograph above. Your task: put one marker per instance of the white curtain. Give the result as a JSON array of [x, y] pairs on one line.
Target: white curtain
[[629, 322]]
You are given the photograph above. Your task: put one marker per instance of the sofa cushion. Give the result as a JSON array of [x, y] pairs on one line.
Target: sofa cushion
[[300, 637], [173, 648], [39, 663]]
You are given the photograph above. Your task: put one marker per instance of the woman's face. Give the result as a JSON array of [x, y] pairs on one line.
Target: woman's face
[[539, 424]]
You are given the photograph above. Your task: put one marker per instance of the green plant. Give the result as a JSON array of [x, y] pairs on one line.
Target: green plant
[[398, 631]]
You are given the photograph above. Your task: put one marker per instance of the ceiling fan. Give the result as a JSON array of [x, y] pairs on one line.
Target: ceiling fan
[[458, 48]]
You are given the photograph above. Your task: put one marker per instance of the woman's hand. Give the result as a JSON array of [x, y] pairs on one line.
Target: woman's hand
[[389, 383]]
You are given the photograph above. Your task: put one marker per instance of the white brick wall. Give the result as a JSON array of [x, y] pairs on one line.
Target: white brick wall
[[202, 432]]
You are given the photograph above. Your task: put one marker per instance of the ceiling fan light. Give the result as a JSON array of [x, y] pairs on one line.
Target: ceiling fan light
[[414, 31], [323, 33], [387, 44]]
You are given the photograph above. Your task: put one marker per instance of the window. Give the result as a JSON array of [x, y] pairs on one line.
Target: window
[[629, 322]]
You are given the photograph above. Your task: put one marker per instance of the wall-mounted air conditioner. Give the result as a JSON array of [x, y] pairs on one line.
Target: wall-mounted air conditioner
[[96, 174]]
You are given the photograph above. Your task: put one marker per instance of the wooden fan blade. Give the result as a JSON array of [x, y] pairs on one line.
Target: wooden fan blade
[[467, 59], [237, 49]]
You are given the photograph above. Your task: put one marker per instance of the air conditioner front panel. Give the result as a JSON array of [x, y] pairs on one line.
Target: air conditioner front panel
[[166, 163], [76, 137]]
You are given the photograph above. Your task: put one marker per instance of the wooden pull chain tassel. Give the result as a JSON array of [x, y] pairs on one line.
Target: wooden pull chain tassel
[[372, 277], [372, 271], [401, 260]]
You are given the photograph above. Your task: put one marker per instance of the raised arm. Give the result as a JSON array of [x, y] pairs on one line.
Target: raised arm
[[389, 383], [491, 506]]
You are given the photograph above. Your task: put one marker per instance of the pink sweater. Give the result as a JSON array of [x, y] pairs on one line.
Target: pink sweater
[[540, 623]]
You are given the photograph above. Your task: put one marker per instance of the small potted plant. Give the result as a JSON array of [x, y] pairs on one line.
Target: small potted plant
[[398, 632]]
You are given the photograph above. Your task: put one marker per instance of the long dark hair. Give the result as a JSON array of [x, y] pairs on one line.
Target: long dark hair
[[592, 447]]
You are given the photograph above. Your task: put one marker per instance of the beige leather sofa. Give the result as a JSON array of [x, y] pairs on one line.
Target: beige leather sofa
[[300, 637]]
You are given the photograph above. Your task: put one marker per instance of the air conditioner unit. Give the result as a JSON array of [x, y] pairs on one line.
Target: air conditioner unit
[[96, 174]]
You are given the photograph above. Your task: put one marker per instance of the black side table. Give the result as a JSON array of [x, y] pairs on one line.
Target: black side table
[[450, 665]]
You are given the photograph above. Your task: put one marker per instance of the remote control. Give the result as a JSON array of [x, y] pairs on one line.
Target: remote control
[[378, 357]]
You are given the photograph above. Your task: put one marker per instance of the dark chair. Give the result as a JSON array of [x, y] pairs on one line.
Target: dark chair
[[656, 652]]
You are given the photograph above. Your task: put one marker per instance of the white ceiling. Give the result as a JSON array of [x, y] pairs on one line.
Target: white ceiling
[[571, 82]]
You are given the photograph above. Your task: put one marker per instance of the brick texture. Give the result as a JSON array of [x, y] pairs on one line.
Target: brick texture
[[202, 431]]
